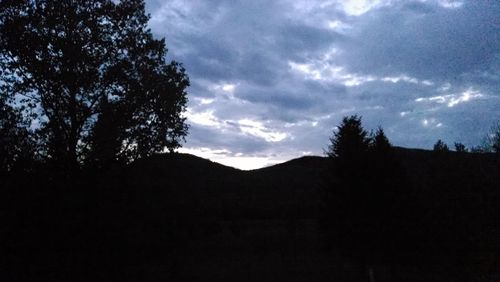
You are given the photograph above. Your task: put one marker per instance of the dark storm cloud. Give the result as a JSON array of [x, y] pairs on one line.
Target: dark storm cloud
[[273, 78], [297, 40], [429, 42], [298, 96]]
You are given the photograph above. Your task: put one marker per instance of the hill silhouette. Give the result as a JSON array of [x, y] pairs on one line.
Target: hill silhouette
[[179, 217]]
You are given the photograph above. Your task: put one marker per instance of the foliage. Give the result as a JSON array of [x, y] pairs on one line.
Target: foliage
[[440, 146], [379, 142], [490, 143], [350, 140], [494, 138], [91, 72], [16, 145], [361, 211], [459, 147]]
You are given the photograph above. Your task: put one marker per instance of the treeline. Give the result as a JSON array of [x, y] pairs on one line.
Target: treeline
[[489, 144], [387, 206]]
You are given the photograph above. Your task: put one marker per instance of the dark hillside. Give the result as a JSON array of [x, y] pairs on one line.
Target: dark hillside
[[178, 217], [457, 197], [197, 186], [314, 163]]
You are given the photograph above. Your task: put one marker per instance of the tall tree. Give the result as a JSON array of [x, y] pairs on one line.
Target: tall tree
[[367, 207], [89, 66], [350, 140], [350, 201], [380, 143]]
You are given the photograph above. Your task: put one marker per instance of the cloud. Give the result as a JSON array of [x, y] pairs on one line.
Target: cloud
[[430, 42], [257, 129], [271, 79], [452, 100]]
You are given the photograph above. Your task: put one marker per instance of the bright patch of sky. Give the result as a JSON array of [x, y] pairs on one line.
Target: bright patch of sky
[[258, 129], [359, 7], [227, 158], [452, 100]]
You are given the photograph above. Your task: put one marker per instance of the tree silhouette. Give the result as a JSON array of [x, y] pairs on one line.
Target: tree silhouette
[[494, 138], [368, 211], [350, 141], [459, 147], [88, 69], [440, 146], [105, 140], [379, 142], [381, 159], [17, 148], [352, 208]]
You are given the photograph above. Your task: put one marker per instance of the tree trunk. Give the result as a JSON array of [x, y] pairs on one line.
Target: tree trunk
[[72, 160], [371, 274], [74, 132]]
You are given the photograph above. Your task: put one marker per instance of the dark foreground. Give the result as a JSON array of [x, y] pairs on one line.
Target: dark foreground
[[181, 218]]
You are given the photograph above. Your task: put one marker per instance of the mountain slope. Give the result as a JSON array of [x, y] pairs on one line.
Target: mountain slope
[[178, 217]]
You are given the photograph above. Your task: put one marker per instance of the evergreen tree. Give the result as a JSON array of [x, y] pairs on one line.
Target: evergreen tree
[[350, 140], [351, 202], [367, 207], [380, 143]]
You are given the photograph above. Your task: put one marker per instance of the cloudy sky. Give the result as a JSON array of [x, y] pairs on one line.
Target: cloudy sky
[[271, 79]]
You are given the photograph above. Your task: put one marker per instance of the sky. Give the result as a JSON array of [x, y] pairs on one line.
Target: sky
[[270, 80]]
